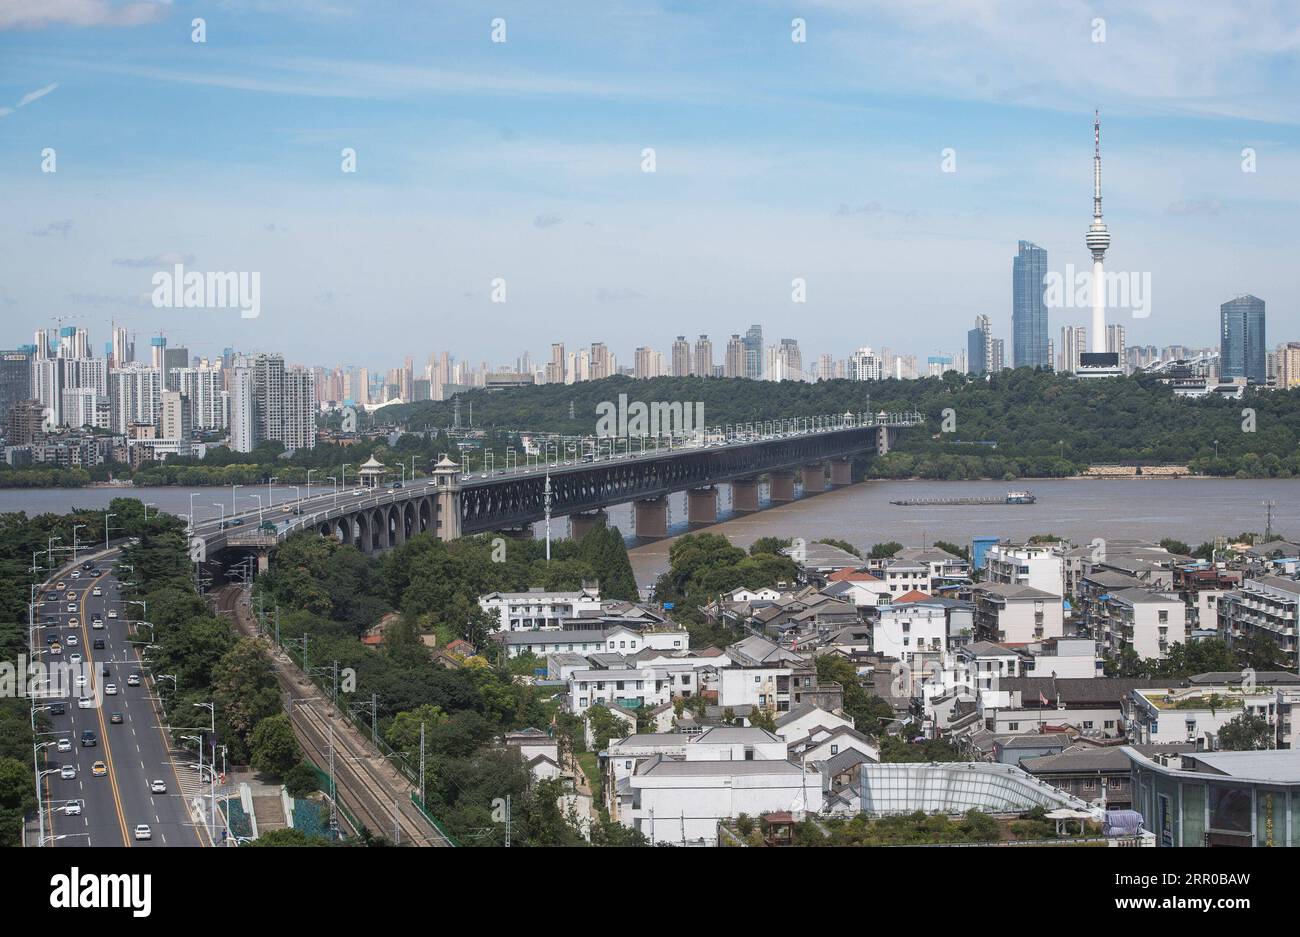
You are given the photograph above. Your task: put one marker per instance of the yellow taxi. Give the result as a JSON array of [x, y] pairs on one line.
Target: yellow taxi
[[98, 769]]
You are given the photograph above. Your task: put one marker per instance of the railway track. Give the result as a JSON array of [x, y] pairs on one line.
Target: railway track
[[360, 783]]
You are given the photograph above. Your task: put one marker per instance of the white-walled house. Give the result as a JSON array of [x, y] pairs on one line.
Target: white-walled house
[[537, 608], [800, 721], [630, 687], [617, 640], [1016, 614], [906, 627], [1038, 566], [681, 802], [1150, 622]]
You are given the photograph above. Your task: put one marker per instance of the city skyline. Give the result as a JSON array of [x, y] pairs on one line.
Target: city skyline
[[513, 160]]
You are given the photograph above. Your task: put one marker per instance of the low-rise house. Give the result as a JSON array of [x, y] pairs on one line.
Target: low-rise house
[[1036, 565], [1094, 706], [618, 640], [910, 624], [682, 802], [630, 688], [823, 743], [859, 586], [1165, 715], [537, 608], [801, 720]]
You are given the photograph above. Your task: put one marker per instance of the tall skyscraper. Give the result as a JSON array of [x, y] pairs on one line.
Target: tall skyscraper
[[1241, 340], [754, 353], [174, 416], [1028, 308], [1288, 365], [865, 365], [734, 363], [683, 366], [703, 366], [15, 381], [1074, 341], [979, 346]]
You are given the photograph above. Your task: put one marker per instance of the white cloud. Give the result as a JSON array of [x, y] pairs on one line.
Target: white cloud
[[37, 14]]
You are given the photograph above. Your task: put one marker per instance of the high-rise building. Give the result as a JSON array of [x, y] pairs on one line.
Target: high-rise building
[[174, 416], [204, 389], [683, 365], [600, 365], [754, 353], [15, 381], [789, 361], [1074, 341], [556, 367], [1028, 308], [865, 365], [1242, 352], [174, 359], [1288, 365], [979, 346], [703, 364], [1115, 342], [134, 393], [283, 404], [734, 364], [158, 353], [123, 352], [999, 355]]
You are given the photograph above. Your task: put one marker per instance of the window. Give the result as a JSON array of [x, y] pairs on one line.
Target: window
[[1087, 724], [835, 749], [1163, 616], [1013, 726]]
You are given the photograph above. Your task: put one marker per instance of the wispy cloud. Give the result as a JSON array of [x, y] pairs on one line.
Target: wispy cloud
[[547, 220], [29, 98], [54, 229], [165, 259], [37, 14]]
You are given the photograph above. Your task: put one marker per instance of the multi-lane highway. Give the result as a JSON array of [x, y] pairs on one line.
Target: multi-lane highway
[[125, 720]]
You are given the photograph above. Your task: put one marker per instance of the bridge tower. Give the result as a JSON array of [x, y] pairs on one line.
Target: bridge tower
[[446, 482]]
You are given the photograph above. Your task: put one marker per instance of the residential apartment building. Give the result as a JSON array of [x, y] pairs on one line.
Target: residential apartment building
[[1264, 608], [537, 608]]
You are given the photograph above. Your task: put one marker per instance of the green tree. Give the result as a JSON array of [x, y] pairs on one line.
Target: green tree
[[1246, 732], [275, 750]]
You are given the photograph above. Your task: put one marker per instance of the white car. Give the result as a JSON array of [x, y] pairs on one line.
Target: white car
[[112, 613], [68, 772], [72, 808], [81, 679], [76, 574], [72, 640], [110, 689], [74, 658], [158, 787], [85, 702], [72, 607], [143, 832], [64, 745], [97, 591]]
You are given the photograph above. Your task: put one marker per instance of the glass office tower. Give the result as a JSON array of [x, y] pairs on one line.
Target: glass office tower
[[1029, 336], [1241, 340]]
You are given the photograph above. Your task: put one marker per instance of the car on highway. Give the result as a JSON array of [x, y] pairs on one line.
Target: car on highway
[[72, 658], [68, 772], [75, 574], [87, 565], [142, 831], [72, 808], [73, 623], [81, 679], [60, 585], [110, 689], [133, 679], [85, 702], [72, 607], [112, 613], [98, 625], [158, 787], [115, 719], [89, 739], [51, 596], [98, 644], [98, 769], [71, 640], [64, 745], [96, 591], [56, 648], [57, 708], [51, 639]]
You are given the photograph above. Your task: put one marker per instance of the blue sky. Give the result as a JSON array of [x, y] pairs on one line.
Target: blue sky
[[522, 160]]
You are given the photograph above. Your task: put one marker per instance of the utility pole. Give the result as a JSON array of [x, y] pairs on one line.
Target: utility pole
[[374, 721], [1268, 528], [421, 763], [507, 821]]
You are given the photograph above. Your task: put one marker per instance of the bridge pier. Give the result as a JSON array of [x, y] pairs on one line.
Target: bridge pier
[[882, 440], [651, 517], [814, 479], [841, 472], [582, 524], [263, 560], [744, 494], [780, 486], [702, 505]]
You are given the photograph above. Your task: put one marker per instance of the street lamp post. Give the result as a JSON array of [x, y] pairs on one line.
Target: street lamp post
[[233, 510]]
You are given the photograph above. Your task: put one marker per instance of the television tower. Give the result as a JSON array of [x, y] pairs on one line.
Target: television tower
[[1098, 240]]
